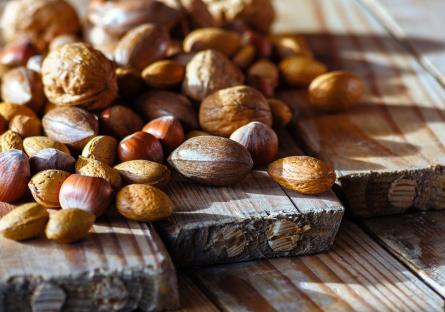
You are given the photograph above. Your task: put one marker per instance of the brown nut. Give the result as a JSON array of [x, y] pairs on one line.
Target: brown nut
[[281, 113], [195, 133], [102, 148], [212, 160], [61, 40], [35, 63], [209, 71], [24, 222], [300, 71], [166, 129], [120, 121], [10, 140], [95, 168], [32, 145], [26, 126], [263, 76], [144, 203], [245, 56], [130, 83], [156, 104], [262, 44], [303, 174], [163, 74], [260, 140], [225, 41], [17, 53], [24, 87], [69, 225], [183, 58], [100, 40], [78, 75], [91, 194], [40, 20], [142, 46], [288, 45], [336, 91], [14, 166], [229, 109], [140, 145], [45, 187], [9, 111], [6, 208], [70, 125], [144, 172], [51, 158]]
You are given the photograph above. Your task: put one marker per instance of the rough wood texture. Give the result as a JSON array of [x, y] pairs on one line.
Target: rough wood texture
[[250, 220], [386, 150], [122, 266]]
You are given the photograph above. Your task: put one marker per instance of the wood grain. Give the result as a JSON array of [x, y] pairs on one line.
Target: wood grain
[[386, 151], [122, 266], [192, 298], [356, 275]]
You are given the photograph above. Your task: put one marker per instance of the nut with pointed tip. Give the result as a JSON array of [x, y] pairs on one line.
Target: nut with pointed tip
[[166, 129], [51, 158], [45, 187], [140, 145], [144, 172], [69, 225], [290, 44], [96, 168], [214, 38], [102, 148], [26, 126], [300, 71], [14, 166], [34, 144], [163, 74], [120, 121]]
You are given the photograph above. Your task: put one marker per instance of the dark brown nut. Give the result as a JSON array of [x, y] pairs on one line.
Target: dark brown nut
[[229, 109], [102, 148], [17, 53], [174, 48], [14, 166], [95, 168], [163, 74], [262, 44], [140, 145], [183, 58], [70, 125], [35, 63], [225, 41], [144, 172], [9, 111], [212, 160], [156, 104], [197, 13], [166, 129], [120, 16], [23, 86], [91, 194], [51, 158], [26, 126], [10, 140], [209, 71], [263, 76], [195, 133], [77, 74], [32, 145], [69, 225], [120, 121], [335, 91], [281, 113], [39, 20], [142, 46], [287, 45], [260, 140], [130, 83], [45, 187], [3, 124], [300, 71], [245, 56]]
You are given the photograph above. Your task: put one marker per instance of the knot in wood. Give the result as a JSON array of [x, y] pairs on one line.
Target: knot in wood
[[110, 294], [283, 235], [230, 240], [402, 193], [47, 297]]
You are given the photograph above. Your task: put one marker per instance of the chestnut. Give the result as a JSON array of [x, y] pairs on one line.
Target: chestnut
[[14, 166], [140, 145], [168, 130]]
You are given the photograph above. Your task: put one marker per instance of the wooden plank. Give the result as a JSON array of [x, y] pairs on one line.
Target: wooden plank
[[192, 298], [122, 266], [386, 150], [251, 220], [356, 275]]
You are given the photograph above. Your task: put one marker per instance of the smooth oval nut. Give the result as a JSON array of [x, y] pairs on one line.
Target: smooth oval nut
[[163, 74], [10, 140], [120, 121], [145, 203], [32, 145], [303, 174], [144, 172], [9, 111], [102, 148], [166, 129], [245, 56], [69, 225], [15, 174], [95, 168], [45, 187], [140, 145], [300, 71], [51, 158], [24, 222], [212, 160], [218, 39], [287, 45]]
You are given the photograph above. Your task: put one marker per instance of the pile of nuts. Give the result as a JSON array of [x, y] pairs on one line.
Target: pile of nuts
[[90, 116]]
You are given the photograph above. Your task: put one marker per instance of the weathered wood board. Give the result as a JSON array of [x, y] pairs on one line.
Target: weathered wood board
[[192, 298], [389, 151], [122, 266], [356, 275], [250, 220]]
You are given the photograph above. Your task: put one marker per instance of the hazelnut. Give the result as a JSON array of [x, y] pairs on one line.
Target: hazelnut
[[168, 130], [287, 45], [142, 46], [102, 148], [245, 56], [144, 172], [9, 111], [300, 71], [10, 140], [209, 71], [156, 104], [163, 74], [263, 76], [212, 160], [69, 225], [14, 166], [130, 83], [77, 74], [144, 203], [281, 112], [140, 145], [51, 158], [229, 109], [17, 53], [91, 194], [120, 121], [95, 168], [45, 187], [26, 126], [227, 42], [32, 145]]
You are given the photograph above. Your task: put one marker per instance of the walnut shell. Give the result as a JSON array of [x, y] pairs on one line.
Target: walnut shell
[[39, 20], [229, 109], [209, 71], [78, 75]]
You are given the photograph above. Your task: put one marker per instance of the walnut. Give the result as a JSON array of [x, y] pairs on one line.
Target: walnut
[[39, 20], [78, 75]]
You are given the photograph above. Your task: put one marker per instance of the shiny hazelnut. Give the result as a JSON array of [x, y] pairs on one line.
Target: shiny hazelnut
[[163, 74], [26, 126], [120, 121], [140, 145], [17, 53], [168, 130], [263, 76], [14, 166], [51, 158], [130, 83]]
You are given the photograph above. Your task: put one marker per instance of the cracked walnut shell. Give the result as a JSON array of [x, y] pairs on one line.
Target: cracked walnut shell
[[78, 75]]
